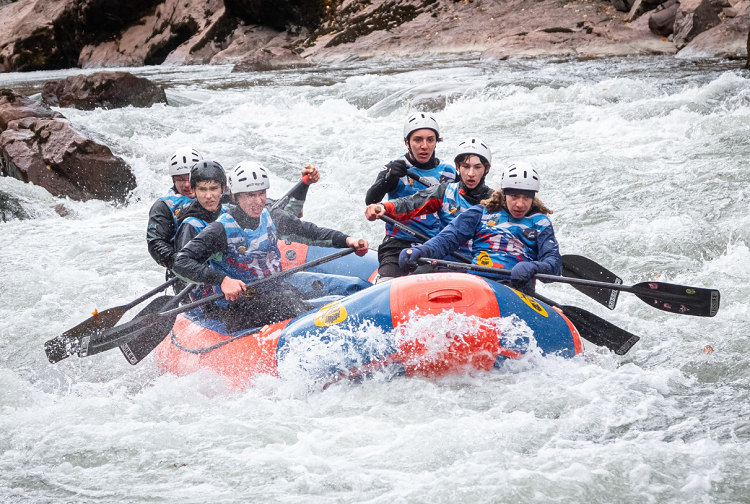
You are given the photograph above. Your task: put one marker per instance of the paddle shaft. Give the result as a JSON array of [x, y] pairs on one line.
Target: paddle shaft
[[284, 198], [148, 320], [419, 236], [150, 293], [634, 289]]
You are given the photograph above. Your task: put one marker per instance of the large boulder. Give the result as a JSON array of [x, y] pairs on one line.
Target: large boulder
[[106, 90], [623, 5], [49, 34], [693, 17], [271, 58], [661, 22], [729, 39], [48, 151], [279, 14]]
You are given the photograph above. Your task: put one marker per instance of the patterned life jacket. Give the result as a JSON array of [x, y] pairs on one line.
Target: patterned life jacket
[[175, 202], [453, 205], [252, 254], [426, 224], [503, 241]]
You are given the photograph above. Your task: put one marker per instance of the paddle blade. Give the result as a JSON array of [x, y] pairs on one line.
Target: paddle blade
[[147, 340], [679, 298], [575, 266], [66, 343], [600, 332]]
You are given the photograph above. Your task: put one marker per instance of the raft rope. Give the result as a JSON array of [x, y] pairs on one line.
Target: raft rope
[[212, 347]]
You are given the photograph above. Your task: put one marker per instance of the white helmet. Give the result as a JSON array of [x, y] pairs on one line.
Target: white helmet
[[521, 176], [182, 160], [476, 147], [248, 176], [420, 120]]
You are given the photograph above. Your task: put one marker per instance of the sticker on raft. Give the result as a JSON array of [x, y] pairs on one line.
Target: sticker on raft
[[483, 259], [330, 314], [532, 303]]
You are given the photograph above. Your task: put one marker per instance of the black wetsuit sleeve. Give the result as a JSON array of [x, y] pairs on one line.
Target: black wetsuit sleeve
[[160, 233], [380, 188], [300, 194], [289, 225], [192, 260], [184, 235]]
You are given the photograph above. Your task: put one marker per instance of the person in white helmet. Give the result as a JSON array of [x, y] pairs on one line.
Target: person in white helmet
[[240, 246], [162, 218], [473, 161], [508, 231], [421, 134]]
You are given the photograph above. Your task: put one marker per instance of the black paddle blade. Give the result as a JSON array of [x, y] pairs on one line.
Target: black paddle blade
[[60, 347], [70, 342], [149, 319], [600, 332], [146, 340], [575, 266], [679, 298]]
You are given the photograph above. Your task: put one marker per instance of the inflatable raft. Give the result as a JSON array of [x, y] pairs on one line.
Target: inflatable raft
[[375, 328]]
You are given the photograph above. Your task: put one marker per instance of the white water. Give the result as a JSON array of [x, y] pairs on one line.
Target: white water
[[644, 162]]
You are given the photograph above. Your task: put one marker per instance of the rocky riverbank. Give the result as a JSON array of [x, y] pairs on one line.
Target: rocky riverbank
[[55, 34]]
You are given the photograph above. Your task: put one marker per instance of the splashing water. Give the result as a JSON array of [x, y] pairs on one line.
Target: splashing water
[[643, 161]]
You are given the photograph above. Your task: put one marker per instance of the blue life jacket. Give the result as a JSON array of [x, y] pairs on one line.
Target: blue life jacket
[[503, 241], [426, 224], [453, 205], [252, 254], [175, 202]]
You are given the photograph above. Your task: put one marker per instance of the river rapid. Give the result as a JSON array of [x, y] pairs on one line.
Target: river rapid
[[644, 162]]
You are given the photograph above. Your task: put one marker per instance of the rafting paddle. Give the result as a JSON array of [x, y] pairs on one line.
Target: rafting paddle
[[576, 266], [663, 296], [282, 201], [419, 236], [139, 347], [160, 323], [98, 322]]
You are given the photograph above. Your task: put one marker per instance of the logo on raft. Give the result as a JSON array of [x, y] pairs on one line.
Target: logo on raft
[[532, 303], [330, 314]]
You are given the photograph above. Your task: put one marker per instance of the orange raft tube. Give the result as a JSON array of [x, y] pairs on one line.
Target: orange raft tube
[[366, 331]]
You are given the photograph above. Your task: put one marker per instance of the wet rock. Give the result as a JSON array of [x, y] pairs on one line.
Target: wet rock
[[244, 40], [661, 22], [48, 151], [642, 6], [692, 18], [622, 5], [271, 58], [106, 90], [11, 208], [279, 14], [47, 35], [729, 39]]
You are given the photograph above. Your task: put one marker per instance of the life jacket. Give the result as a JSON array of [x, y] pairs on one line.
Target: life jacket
[[503, 241], [426, 224], [200, 224], [252, 254], [175, 202], [453, 205]]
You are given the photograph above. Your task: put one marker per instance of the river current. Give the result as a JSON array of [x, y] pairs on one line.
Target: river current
[[643, 160]]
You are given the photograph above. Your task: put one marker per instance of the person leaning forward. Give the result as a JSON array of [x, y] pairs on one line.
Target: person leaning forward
[[240, 247]]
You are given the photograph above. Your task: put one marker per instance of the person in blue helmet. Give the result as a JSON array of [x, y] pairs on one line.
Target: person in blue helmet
[[448, 200], [241, 246], [508, 230], [421, 134]]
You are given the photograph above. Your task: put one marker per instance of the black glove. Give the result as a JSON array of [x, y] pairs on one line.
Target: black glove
[[396, 170]]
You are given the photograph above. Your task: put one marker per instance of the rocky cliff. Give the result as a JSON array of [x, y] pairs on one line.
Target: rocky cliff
[[53, 34]]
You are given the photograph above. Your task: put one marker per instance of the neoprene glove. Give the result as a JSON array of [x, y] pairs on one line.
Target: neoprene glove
[[396, 170], [523, 272], [409, 262]]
